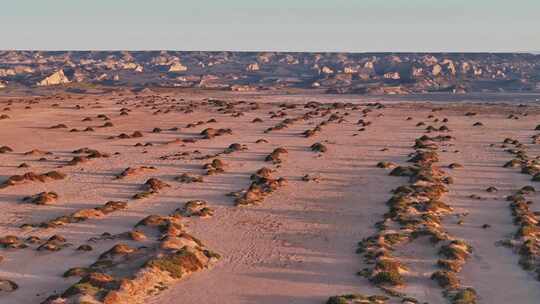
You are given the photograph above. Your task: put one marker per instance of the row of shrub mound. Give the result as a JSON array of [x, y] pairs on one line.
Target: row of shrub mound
[[526, 239], [416, 209]]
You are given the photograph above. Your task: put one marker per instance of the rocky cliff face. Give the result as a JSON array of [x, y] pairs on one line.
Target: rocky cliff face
[[369, 73], [54, 79]]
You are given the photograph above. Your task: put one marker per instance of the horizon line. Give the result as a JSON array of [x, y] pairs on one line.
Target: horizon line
[[276, 51]]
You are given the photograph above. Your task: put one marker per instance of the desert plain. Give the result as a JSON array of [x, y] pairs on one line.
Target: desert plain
[[199, 196]]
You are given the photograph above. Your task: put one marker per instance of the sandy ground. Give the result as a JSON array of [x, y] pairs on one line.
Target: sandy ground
[[298, 246]]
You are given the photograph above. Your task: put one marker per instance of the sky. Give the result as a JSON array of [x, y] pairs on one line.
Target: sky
[[273, 25]]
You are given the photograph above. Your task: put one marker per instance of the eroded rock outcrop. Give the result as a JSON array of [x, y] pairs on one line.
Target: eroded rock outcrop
[[54, 79]]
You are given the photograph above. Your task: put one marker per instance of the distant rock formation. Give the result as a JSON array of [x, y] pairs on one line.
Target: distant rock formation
[[253, 67], [392, 75], [133, 66], [327, 70], [355, 73], [242, 88], [56, 78], [177, 67], [350, 70], [102, 77], [79, 76], [7, 72]]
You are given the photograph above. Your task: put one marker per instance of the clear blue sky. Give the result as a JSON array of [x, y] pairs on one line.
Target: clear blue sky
[[292, 25]]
